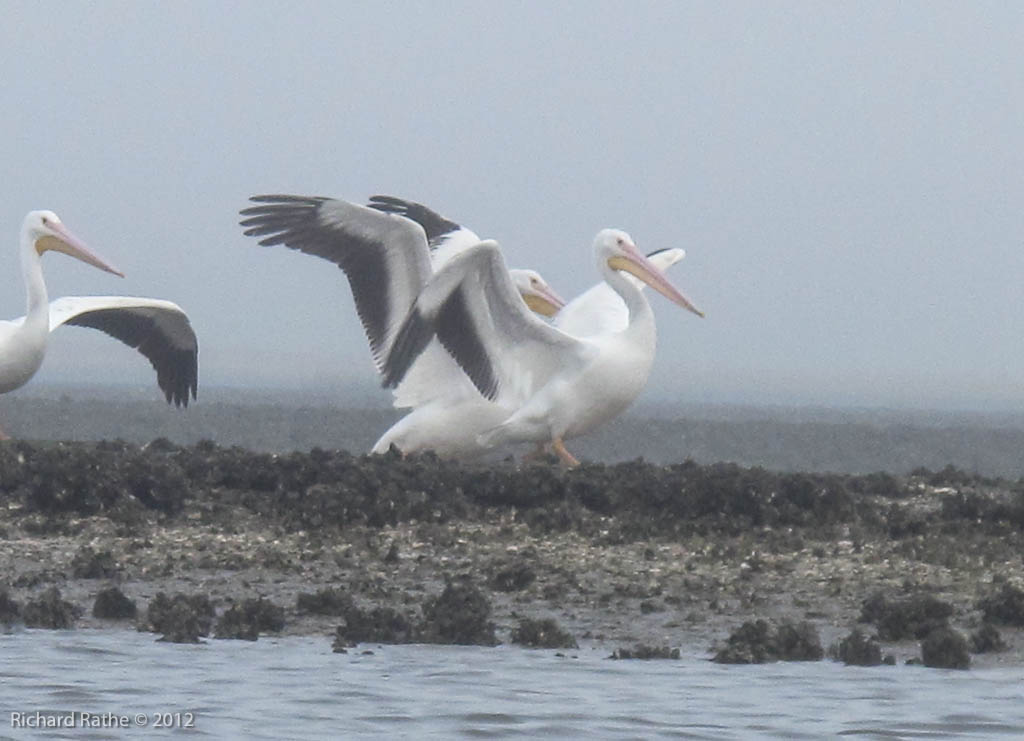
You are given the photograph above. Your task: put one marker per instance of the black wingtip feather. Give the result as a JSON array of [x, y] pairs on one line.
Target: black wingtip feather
[[465, 345], [434, 225], [412, 338]]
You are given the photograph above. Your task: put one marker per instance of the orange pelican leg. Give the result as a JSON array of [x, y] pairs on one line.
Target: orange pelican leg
[[567, 458]]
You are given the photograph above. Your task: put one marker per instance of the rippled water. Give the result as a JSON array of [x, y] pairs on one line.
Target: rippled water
[[297, 688]]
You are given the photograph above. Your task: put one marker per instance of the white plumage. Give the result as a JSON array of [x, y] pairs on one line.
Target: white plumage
[[158, 329], [450, 414], [418, 279], [389, 250], [550, 385]]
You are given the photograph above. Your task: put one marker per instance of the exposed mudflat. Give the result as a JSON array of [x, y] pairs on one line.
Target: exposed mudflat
[[375, 549]]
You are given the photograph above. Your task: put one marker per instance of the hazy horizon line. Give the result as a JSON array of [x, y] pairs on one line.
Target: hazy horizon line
[[371, 396]]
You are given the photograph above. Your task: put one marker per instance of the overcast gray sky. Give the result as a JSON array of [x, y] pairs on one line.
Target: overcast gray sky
[[847, 178]]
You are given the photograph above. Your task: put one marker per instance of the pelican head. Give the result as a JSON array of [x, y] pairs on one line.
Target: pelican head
[[44, 231], [537, 294], [615, 249]]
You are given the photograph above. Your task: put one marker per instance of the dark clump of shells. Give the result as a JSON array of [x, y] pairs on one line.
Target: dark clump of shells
[[246, 620], [759, 641], [945, 648], [459, 615], [901, 619], [857, 649], [182, 618], [50, 611], [374, 625], [112, 604]]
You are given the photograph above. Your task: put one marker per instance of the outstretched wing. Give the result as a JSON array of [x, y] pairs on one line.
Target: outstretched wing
[[160, 330], [475, 310], [385, 257]]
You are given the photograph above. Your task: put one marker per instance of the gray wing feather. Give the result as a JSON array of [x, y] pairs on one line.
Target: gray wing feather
[[384, 256]]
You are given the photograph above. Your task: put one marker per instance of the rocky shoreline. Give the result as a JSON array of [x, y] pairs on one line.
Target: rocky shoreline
[[203, 540]]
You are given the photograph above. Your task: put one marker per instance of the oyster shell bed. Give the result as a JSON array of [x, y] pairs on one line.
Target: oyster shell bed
[[613, 555]]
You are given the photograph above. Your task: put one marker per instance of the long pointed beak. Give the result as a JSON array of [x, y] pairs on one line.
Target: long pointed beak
[[544, 301], [66, 242], [638, 265]]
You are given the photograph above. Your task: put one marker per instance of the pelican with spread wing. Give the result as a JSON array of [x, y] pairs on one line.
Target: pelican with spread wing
[[449, 414], [386, 256], [389, 250], [158, 329], [557, 385]]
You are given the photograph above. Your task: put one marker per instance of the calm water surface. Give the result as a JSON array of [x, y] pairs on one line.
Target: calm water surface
[[294, 688]]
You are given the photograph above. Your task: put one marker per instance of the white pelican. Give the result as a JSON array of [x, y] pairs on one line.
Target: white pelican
[[435, 379], [388, 257], [160, 330], [558, 385], [449, 413]]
